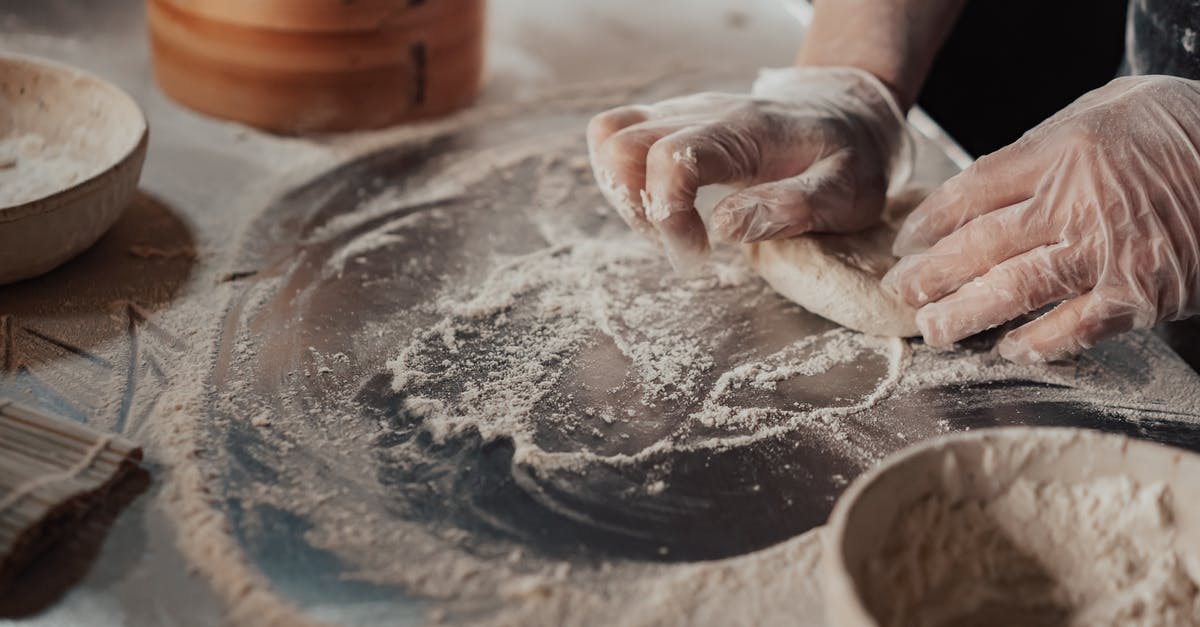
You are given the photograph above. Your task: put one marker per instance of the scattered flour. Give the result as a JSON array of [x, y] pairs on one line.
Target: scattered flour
[[1101, 553], [618, 195], [499, 358], [806, 357], [30, 169], [686, 157], [783, 583]]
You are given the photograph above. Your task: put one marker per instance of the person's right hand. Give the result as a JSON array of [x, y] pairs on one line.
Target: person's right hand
[[1097, 209], [814, 149]]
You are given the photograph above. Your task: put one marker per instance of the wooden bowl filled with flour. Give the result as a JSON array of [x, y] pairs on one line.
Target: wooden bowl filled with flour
[[1019, 526], [71, 152]]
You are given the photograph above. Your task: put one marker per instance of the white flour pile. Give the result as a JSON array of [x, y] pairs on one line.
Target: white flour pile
[[30, 169], [1101, 553]]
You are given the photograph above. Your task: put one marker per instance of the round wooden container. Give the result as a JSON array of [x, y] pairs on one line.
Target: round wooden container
[[295, 66], [982, 464], [81, 141]]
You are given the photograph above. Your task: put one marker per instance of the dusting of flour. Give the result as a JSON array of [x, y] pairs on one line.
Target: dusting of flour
[[503, 357], [1100, 553], [31, 169]]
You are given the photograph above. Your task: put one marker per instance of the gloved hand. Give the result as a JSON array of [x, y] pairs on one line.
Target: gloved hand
[[814, 148], [1099, 205]]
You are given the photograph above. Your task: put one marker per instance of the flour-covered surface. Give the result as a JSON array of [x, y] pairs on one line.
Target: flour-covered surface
[[459, 377], [439, 380]]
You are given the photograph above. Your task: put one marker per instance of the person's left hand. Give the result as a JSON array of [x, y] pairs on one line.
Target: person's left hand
[[814, 149], [1099, 205]]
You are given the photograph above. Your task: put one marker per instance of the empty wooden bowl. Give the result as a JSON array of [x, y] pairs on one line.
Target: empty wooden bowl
[[71, 152], [294, 66]]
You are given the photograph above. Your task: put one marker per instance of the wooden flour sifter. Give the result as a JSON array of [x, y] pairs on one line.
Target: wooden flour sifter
[[295, 66]]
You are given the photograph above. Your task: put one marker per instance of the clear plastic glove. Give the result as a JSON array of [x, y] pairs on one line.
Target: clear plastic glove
[[1099, 205], [813, 148]]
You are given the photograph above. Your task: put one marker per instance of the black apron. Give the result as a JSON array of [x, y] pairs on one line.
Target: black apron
[[1163, 37], [1010, 64]]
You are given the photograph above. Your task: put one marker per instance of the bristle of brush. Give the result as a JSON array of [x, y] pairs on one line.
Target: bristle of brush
[[49, 466]]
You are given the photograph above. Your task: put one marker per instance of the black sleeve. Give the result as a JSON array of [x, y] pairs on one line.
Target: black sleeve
[[1009, 64]]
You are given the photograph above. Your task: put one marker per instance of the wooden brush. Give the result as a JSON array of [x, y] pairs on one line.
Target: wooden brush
[[52, 471]]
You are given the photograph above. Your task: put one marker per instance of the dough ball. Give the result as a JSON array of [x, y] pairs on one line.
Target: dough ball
[[836, 276]]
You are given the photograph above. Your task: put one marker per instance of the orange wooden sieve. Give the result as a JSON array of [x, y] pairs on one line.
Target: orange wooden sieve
[[294, 66]]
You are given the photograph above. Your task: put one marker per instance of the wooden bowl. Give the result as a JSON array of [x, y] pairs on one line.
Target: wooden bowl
[[983, 464], [71, 152], [294, 66]]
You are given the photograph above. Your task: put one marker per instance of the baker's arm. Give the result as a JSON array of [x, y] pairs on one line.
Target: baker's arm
[[894, 40], [813, 147]]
